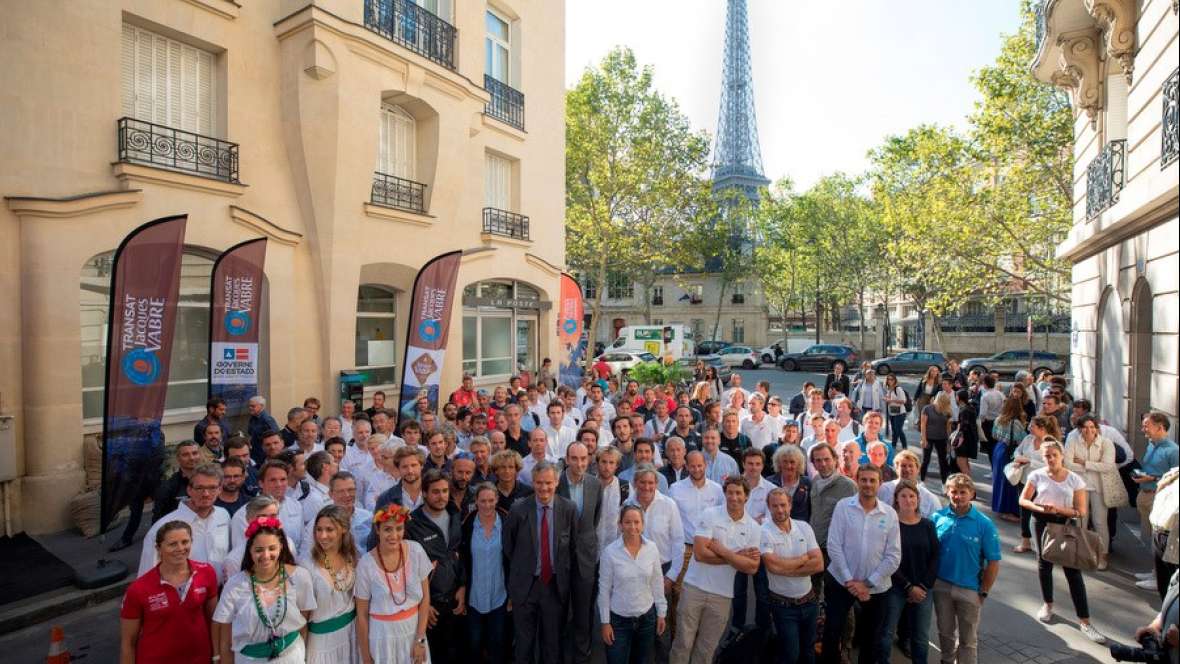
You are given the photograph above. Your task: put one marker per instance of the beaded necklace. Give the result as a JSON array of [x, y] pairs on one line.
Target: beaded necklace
[[274, 640], [342, 578], [399, 571]]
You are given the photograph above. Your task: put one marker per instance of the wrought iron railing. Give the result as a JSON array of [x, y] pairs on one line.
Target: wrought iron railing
[[1169, 133], [158, 145], [392, 191], [506, 104], [1052, 322], [505, 223], [414, 27], [1104, 178], [968, 323]]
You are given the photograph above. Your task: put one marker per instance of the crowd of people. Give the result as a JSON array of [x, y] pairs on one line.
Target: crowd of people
[[530, 522]]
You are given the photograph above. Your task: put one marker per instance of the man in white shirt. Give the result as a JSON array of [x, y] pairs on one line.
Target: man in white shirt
[[661, 423], [661, 525], [907, 465], [849, 428], [815, 408], [597, 399], [693, 495], [726, 542], [559, 434], [573, 415], [864, 544], [320, 469], [760, 428], [210, 524], [342, 491], [272, 478], [538, 452], [718, 464], [790, 555], [735, 385]]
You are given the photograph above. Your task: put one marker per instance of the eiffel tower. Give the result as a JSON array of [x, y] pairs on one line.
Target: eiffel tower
[[737, 159]]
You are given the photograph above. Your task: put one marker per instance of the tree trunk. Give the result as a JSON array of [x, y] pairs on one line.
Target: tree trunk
[[860, 306]]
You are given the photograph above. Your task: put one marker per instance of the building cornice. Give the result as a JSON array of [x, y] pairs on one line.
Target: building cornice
[[73, 206], [265, 226], [128, 173]]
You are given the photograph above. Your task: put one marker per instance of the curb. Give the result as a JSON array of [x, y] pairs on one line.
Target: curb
[[59, 603]]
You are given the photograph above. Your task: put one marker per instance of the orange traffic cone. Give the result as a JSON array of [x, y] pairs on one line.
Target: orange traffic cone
[[57, 647]]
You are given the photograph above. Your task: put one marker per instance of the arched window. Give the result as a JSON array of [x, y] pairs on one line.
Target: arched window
[[189, 365], [376, 334]]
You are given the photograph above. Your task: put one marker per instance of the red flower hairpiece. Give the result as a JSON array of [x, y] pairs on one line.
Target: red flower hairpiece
[[262, 522], [395, 512]]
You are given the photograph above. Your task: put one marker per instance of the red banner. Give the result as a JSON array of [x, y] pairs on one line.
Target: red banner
[[571, 345], [426, 339], [144, 289], [234, 320]]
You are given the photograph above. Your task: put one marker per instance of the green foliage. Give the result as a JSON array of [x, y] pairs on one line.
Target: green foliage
[[657, 373]]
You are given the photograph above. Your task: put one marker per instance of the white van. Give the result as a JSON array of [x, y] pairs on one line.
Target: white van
[[675, 341]]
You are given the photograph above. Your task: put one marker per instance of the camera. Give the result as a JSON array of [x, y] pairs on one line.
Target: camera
[[1149, 650]]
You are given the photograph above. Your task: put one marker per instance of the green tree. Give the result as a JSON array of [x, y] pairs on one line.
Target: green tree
[[630, 156]]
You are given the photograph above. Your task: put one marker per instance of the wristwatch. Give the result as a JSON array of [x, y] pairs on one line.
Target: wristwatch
[[421, 641], [983, 594]]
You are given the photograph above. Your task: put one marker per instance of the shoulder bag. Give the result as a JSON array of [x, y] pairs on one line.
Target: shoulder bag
[[1069, 544]]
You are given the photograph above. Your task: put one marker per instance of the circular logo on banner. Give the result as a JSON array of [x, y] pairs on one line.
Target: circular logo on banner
[[141, 367], [570, 326], [429, 330], [237, 323]]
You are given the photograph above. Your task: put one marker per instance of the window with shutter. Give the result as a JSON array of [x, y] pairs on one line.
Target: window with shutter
[[168, 82], [396, 153], [498, 175]]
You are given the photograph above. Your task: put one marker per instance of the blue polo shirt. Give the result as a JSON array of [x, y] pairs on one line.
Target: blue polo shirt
[[965, 543]]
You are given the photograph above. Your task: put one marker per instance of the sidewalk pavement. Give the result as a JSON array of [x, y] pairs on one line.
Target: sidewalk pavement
[[78, 552]]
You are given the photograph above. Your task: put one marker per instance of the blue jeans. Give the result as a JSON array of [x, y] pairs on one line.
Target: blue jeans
[[795, 626], [487, 632], [635, 638], [919, 619], [737, 617], [897, 428]]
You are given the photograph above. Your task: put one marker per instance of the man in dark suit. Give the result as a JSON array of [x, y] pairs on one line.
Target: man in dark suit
[[838, 379], [584, 491], [539, 539]]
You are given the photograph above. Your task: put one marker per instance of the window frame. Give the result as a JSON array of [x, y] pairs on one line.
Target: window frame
[[491, 43], [386, 143], [378, 315]]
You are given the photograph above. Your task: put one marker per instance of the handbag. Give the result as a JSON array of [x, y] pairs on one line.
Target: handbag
[[1114, 494], [1069, 544], [1014, 473]]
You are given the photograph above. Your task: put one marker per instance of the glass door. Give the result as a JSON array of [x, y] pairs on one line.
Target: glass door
[[526, 343]]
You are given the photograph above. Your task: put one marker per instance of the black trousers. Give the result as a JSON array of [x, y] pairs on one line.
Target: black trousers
[[837, 603], [939, 447], [449, 634], [1073, 576], [538, 618], [581, 622]]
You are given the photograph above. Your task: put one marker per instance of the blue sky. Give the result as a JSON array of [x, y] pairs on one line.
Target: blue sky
[[832, 78]]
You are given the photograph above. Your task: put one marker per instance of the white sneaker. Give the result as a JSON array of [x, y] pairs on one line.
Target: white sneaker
[[1093, 634], [1045, 614], [1146, 584], [1144, 575]]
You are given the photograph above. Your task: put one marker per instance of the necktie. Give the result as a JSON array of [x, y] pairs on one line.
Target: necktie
[[546, 564]]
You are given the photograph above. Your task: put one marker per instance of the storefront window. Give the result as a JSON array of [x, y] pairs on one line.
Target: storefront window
[[376, 333], [189, 364]]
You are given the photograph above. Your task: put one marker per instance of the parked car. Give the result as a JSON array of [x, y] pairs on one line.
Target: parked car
[[712, 347], [910, 361], [1011, 361], [820, 357], [723, 372], [618, 360], [740, 356], [771, 353]]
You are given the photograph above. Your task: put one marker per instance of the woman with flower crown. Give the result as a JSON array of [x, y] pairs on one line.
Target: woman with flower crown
[[263, 611], [392, 594], [331, 635]]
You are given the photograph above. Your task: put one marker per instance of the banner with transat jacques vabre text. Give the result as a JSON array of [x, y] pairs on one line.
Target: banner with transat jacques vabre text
[[571, 346], [426, 338], [236, 295], [145, 285]]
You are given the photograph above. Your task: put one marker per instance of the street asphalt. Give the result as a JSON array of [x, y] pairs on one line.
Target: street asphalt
[[1009, 630]]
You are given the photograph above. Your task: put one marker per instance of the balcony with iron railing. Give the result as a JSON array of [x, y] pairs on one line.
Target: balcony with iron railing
[[506, 224], [506, 104], [1169, 132], [151, 144], [405, 22], [1105, 178], [394, 192]]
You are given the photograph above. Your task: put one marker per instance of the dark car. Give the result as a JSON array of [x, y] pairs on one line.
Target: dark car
[[910, 361], [819, 357], [712, 347]]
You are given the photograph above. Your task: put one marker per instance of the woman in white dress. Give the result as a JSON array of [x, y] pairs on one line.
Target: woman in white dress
[[331, 637], [393, 594], [262, 614]]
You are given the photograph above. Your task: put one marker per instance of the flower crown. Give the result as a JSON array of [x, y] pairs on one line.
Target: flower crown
[[263, 522], [394, 512]]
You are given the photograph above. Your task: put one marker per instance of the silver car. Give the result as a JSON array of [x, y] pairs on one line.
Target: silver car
[[1011, 361], [910, 361]]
